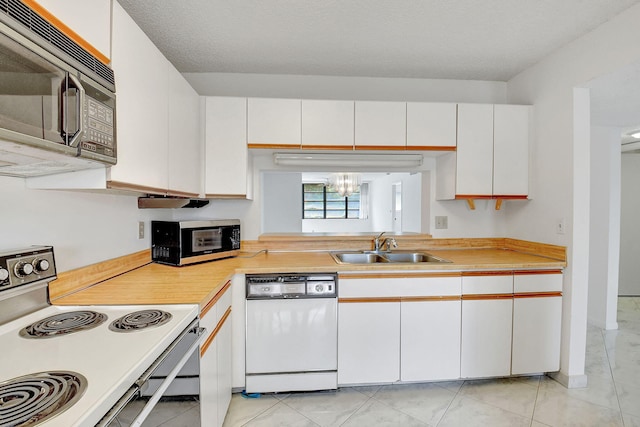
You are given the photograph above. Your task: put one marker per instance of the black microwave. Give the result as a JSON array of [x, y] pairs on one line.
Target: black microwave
[[187, 242]]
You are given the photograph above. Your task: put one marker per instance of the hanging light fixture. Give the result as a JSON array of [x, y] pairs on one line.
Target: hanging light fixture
[[345, 183]]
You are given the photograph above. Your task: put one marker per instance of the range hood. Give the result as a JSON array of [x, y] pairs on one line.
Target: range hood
[[160, 202]]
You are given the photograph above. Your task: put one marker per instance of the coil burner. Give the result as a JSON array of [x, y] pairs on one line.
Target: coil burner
[[140, 320], [63, 323], [31, 399]]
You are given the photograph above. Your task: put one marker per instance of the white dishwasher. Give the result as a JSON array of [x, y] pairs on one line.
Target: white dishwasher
[[292, 332]]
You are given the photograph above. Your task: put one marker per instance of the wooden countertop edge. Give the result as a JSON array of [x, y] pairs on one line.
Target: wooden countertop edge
[[73, 281]]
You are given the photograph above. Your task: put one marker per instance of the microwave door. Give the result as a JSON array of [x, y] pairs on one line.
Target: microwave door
[[30, 91]]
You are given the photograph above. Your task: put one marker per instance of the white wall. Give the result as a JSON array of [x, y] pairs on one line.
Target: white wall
[[282, 199], [560, 186], [605, 209], [356, 88], [83, 228], [630, 226]]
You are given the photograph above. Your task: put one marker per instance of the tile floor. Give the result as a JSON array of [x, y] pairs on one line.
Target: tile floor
[[612, 397]]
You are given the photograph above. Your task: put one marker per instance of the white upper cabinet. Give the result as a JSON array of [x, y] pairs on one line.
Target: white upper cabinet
[[474, 168], [327, 124], [185, 139], [511, 150], [380, 125], [274, 122], [142, 106], [225, 147], [431, 124], [492, 154], [90, 19]]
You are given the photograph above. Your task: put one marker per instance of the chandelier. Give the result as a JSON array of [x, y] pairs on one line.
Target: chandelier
[[345, 183]]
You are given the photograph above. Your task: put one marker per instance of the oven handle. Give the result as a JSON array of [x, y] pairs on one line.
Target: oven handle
[[144, 378], [167, 382], [131, 394]]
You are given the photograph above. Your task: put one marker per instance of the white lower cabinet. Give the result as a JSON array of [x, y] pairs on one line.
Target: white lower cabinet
[[430, 342], [215, 361], [537, 320], [398, 328], [368, 342], [224, 370], [486, 338], [487, 307]]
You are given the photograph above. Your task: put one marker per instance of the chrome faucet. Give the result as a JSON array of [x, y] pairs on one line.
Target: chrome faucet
[[389, 241], [376, 242]]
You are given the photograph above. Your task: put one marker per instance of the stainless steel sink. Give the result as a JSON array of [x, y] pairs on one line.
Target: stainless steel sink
[[394, 257], [357, 258]]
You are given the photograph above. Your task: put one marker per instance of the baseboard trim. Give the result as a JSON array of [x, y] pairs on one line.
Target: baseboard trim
[[569, 381]]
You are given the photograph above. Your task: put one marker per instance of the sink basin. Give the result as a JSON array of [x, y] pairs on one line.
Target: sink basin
[[395, 257], [357, 258], [412, 257]]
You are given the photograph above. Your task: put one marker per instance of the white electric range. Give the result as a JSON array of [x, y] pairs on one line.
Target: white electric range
[[100, 364]]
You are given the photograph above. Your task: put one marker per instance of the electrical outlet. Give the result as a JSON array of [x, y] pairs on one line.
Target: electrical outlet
[[442, 222], [140, 229], [560, 226]]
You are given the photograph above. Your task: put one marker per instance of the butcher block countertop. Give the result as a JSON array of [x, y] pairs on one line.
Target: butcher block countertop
[[151, 283]]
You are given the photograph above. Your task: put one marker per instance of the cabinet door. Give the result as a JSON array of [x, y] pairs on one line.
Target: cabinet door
[[224, 370], [143, 106], [474, 168], [274, 122], [185, 139], [537, 323], [380, 125], [209, 372], [327, 124], [511, 150], [430, 340], [431, 124], [90, 19], [486, 338], [368, 342], [226, 153]]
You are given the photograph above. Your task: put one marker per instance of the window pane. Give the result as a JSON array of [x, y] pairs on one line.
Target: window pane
[[335, 214], [353, 214], [313, 197], [334, 196], [313, 214], [312, 206]]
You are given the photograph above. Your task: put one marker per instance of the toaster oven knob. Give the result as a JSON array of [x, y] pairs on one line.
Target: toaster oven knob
[[23, 269], [40, 265], [4, 274]]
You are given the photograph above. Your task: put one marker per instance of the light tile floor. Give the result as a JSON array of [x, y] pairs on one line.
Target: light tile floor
[[612, 397]]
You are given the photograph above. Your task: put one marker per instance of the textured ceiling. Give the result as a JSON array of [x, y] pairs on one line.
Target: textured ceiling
[[452, 39]]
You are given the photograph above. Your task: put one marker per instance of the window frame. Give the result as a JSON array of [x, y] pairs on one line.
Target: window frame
[[324, 202]]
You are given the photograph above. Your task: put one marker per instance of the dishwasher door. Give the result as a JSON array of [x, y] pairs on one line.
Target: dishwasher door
[[291, 344]]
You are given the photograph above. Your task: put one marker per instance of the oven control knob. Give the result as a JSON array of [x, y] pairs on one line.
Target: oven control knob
[[23, 269], [319, 288], [40, 265], [4, 274]]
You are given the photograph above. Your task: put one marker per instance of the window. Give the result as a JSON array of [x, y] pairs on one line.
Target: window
[[321, 202]]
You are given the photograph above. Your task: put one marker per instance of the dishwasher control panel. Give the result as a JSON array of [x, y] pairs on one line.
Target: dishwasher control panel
[[291, 285]]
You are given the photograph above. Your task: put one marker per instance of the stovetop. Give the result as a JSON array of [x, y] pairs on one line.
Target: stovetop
[[110, 361]]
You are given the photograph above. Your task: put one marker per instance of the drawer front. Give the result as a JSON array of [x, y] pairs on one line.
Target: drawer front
[[397, 286], [528, 283], [491, 284]]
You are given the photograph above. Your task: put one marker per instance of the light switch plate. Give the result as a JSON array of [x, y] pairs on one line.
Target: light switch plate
[[442, 222], [140, 229]]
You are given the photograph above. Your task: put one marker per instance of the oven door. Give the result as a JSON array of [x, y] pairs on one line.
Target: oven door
[[135, 407]]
